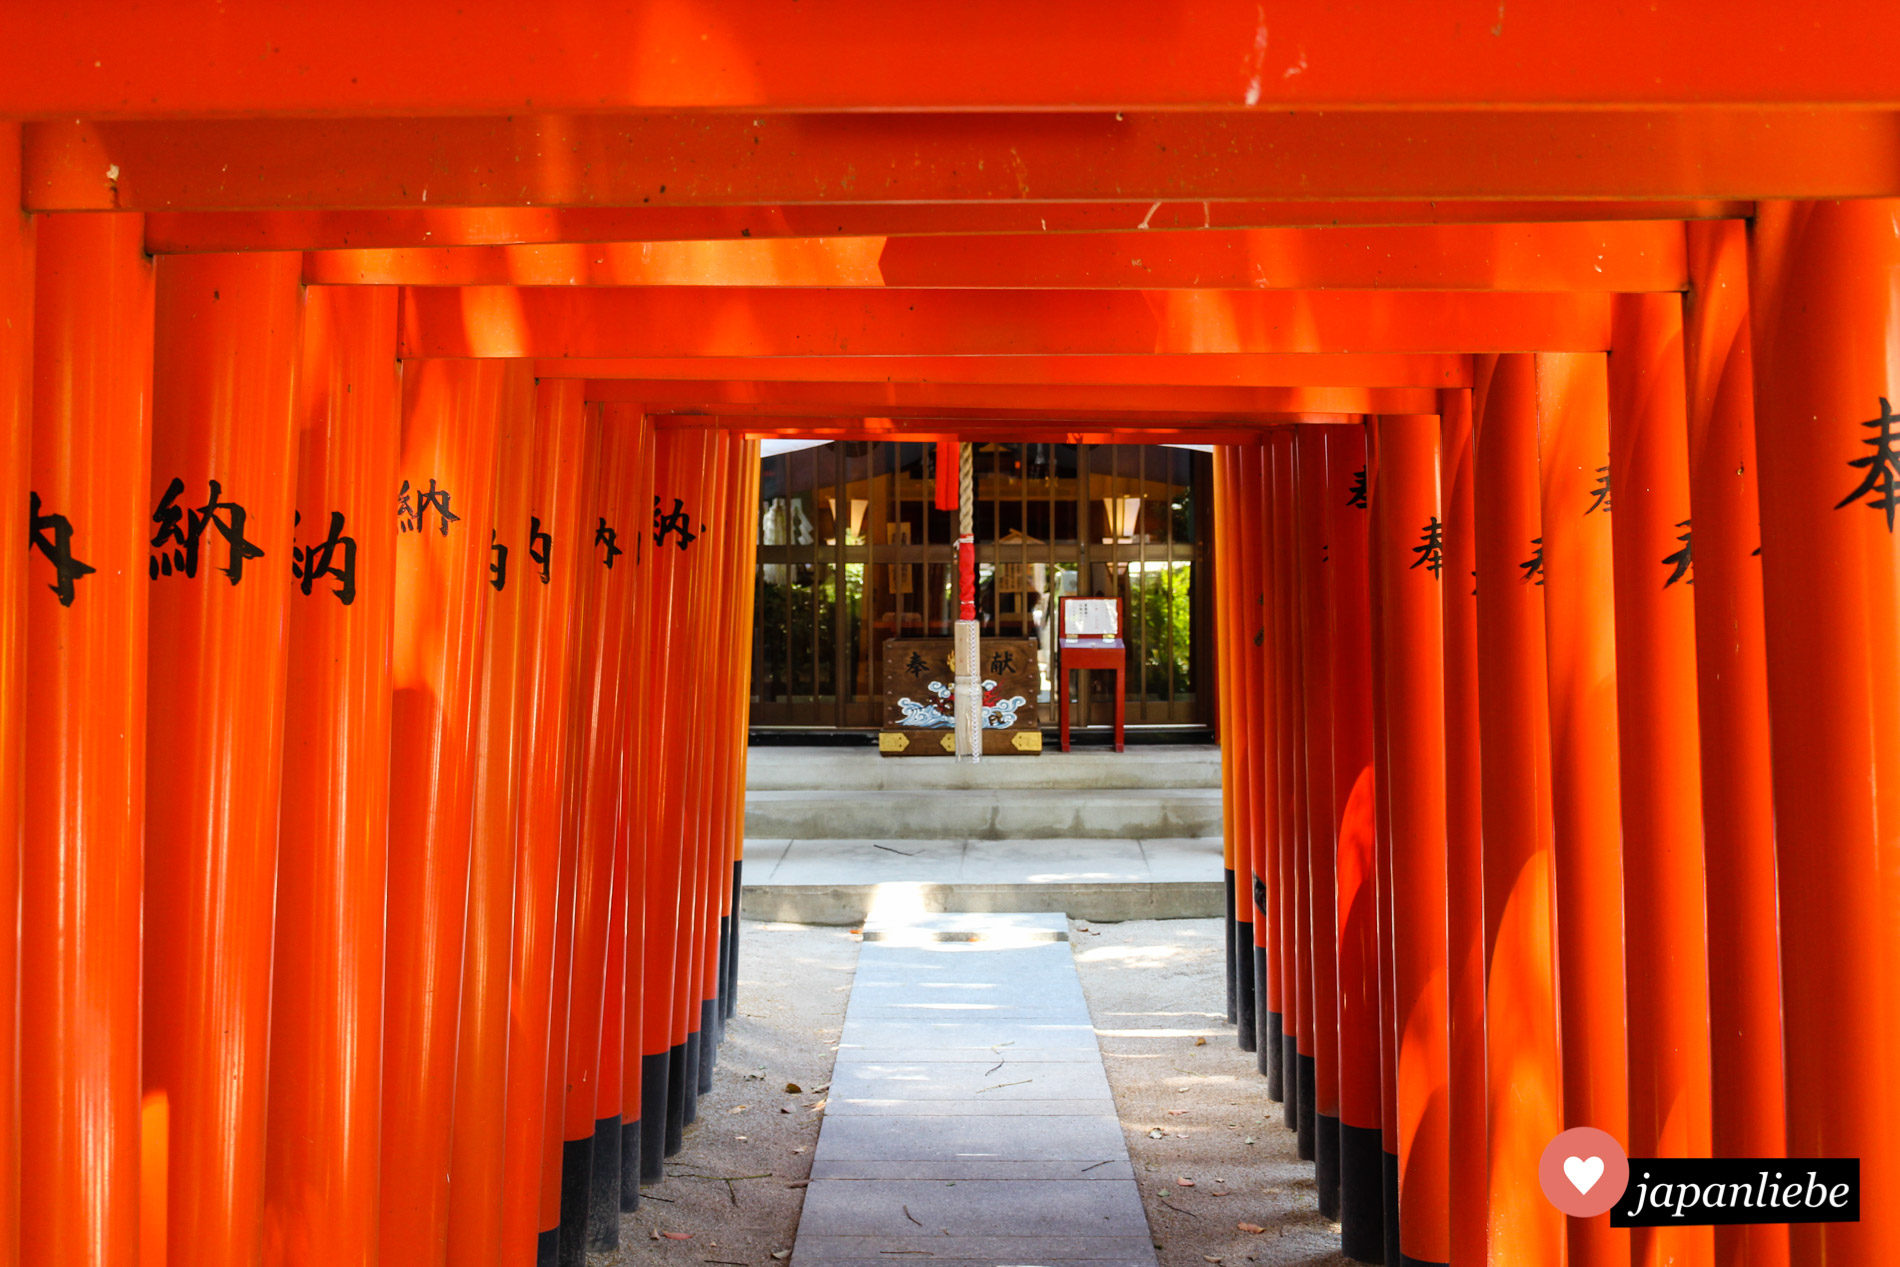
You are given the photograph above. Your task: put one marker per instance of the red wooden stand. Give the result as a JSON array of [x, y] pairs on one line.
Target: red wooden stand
[[1090, 651]]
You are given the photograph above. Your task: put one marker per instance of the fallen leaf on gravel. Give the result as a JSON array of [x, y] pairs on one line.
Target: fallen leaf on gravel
[[677, 1236], [1201, 1041], [740, 1138], [782, 1109], [740, 1109], [792, 1088], [799, 1183], [1176, 1112], [1156, 1133], [1212, 1258], [1255, 1228], [1248, 1141], [781, 1254], [799, 1149], [1184, 1183]]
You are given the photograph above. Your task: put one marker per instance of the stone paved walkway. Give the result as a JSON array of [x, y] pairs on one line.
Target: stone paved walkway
[[970, 1123]]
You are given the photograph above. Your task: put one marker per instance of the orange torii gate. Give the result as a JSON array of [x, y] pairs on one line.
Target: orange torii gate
[[379, 397]]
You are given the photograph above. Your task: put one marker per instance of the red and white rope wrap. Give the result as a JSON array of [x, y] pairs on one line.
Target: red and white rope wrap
[[969, 696]]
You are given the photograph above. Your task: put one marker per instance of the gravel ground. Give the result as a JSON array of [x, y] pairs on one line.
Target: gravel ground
[[1196, 1110], [730, 1189], [1154, 988]]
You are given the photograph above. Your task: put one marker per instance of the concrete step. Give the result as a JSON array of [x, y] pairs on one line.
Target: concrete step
[[983, 813], [850, 905], [846, 882], [833, 834], [864, 769], [959, 926]]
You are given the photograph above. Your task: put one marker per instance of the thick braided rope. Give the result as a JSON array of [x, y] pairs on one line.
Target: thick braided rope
[[966, 490], [969, 697]]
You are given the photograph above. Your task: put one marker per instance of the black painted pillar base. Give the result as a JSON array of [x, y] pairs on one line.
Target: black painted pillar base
[[603, 1187], [1245, 998], [708, 1043], [547, 1248], [1326, 1164], [732, 956], [1290, 1071], [653, 1101], [1229, 925], [1266, 1026], [695, 1042], [675, 1099], [1406, 1260], [1308, 1126], [1361, 1193], [576, 1165], [1391, 1170], [630, 1166], [722, 973], [1272, 1035]]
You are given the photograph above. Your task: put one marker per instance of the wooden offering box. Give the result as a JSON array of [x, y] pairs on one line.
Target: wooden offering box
[[920, 689]]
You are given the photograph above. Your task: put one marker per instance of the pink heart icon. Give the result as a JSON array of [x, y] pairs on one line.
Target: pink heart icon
[[1583, 1172]]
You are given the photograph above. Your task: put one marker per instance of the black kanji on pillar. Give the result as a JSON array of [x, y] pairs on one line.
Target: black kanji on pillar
[[1431, 547], [307, 563], [497, 570], [679, 520], [1681, 560], [410, 516], [607, 536], [1600, 495], [540, 546], [180, 535], [1534, 566], [1356, 496], [1881, 485], [52, 536]]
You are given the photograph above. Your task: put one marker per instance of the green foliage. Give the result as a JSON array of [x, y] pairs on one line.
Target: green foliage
[[1162, 603]]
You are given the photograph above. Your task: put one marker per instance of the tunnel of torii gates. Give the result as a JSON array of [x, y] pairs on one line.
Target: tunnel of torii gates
[[381, 390]]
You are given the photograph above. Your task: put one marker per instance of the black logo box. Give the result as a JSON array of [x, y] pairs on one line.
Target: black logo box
[[1748, 1189]]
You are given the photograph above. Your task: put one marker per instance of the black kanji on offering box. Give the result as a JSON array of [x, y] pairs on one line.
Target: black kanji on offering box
[[920, 698]]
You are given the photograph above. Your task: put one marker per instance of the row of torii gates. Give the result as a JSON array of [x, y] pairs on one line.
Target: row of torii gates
[[379, 397]]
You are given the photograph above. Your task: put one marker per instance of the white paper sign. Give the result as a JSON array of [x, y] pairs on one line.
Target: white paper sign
[[1092, 618]]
